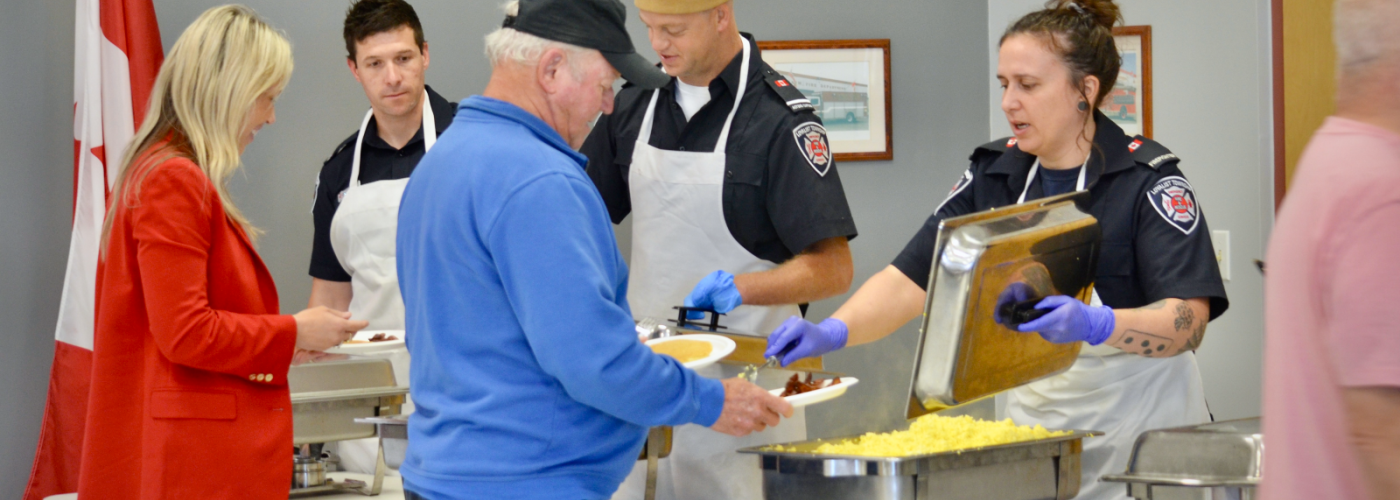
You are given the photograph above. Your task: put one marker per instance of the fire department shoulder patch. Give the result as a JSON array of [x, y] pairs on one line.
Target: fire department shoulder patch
[[963, 183], [1175, 201], [811, 140]]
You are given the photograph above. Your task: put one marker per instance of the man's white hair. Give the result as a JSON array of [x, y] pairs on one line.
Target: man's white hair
[[511, 45], [1366, 32]]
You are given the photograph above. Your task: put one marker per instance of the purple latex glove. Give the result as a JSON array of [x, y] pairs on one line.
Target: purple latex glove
[[1072, 321], [1015, 292], [799, 338], [714, 291]]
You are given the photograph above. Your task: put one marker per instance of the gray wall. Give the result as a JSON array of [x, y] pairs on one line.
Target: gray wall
[[36, 160], [945, 103], [1212, 106]]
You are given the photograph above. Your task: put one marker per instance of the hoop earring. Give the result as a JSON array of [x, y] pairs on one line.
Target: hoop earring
[[1083, 106]]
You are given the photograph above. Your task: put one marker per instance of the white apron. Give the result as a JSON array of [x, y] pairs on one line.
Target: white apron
[[1112, 391], [679, 236], [363, 235]]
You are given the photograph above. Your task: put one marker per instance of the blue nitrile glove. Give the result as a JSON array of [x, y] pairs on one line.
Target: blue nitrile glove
[[1015, 292], [1071, 321], [715, 291], [800, 338]]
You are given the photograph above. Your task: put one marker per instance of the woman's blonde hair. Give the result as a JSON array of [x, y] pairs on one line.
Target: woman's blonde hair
[[206, 87]]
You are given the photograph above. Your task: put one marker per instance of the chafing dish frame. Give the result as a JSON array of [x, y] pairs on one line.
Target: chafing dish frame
[[800, 474], [944, 373], [1192, 449], [329, 403]]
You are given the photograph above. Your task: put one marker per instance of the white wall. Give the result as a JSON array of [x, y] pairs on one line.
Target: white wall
[[1212, 106]]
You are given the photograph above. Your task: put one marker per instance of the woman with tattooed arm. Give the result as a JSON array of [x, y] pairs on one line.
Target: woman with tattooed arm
[[1157, 283]]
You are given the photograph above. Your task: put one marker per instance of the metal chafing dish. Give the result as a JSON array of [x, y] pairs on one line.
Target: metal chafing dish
[[1031, 470], [327, 398], [393, 438], [1168, 464], [1051, 245]]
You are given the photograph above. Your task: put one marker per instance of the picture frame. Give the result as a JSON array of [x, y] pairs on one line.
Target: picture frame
[[848, 82], [1130, 103]]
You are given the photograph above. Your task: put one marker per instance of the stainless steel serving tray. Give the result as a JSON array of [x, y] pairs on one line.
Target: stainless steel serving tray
[[328, 396], [1222, 454], [1030, 470], [1049, 244]]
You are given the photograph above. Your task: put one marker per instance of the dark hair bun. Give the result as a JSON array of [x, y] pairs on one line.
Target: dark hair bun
[[1081, 33], [1102, 12]]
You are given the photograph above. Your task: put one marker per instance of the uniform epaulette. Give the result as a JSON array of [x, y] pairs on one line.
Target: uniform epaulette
[[343, 144], [996, 148], [794, 98], [1151, 153]]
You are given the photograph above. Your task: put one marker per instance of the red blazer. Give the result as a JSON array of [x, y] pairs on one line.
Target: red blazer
[[189, 389]]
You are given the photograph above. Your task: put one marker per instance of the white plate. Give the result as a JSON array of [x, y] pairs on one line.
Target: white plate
[[369, 347], [820, 395], [720, 347]]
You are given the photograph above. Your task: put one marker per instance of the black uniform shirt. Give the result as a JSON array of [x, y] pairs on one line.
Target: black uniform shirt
[[1156, 244], [777, 201], [379, 161]]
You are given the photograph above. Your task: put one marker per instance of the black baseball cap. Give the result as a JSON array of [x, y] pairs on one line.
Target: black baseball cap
[[592, 24]]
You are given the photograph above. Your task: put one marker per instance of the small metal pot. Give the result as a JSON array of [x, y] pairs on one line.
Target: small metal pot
[[308, 472]]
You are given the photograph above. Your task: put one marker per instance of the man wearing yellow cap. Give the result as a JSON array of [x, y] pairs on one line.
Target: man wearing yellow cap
[[736, 207]]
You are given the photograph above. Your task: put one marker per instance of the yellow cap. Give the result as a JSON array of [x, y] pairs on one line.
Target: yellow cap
[[678, 6]]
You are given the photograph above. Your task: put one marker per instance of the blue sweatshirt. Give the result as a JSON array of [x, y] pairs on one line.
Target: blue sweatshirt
[[527, 375]]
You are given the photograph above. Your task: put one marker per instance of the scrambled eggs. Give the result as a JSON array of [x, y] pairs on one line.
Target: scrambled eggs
[[684, 350], [934, 434]]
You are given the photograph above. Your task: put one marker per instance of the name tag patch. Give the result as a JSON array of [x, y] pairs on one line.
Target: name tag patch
[[811, 140], [1175, 201]]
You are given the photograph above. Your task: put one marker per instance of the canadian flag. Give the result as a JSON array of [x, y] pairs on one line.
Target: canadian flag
[[115, 61]]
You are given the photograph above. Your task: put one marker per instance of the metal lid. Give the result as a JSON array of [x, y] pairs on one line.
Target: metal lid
[[1051, 246], [1229, 453]]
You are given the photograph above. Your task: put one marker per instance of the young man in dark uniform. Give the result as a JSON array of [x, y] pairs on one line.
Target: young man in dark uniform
[[736, 206], [355, 212], [387, 54]]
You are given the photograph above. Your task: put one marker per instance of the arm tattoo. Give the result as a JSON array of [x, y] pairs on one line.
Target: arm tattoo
[[1145, 344], [1185, 316], [1196, 338]]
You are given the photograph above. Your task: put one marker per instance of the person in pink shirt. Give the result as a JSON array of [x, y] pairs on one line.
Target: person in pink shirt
[[1332, 356]]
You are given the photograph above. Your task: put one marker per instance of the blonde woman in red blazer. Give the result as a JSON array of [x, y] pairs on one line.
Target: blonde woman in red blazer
[[189, 390]]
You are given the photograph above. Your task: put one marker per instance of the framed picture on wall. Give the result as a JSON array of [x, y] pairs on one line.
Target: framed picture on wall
[[1130, 103], [848, 82]]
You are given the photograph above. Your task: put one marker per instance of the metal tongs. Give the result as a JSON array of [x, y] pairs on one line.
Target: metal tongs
[[651, 329], [750, 372]]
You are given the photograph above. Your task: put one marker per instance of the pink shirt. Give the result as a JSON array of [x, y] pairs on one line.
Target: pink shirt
[[1332, 302]]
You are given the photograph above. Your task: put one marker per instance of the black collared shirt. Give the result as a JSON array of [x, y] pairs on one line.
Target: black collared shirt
[[1156, 244], [379, 161], [776, 201]]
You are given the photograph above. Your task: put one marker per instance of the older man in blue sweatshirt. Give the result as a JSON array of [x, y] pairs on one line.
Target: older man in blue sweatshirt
[[527, 374]]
